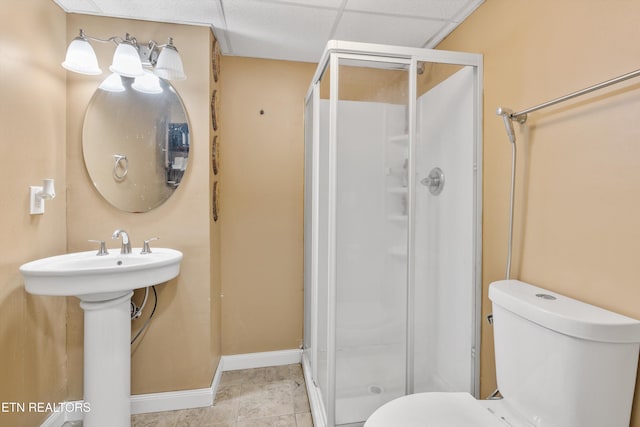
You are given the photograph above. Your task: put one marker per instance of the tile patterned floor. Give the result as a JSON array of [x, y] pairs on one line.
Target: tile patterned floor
[[275, 396]]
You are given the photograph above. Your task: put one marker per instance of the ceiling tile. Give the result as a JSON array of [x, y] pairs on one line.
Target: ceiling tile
[[437, 9], [330, 4], [193, 11], [112, 7], [385, 29], [274, 30]]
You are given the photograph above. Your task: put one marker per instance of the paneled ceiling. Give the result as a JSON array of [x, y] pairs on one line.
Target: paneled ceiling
[[295, 30]]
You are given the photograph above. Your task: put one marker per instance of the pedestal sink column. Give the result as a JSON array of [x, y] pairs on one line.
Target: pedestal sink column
[[107, 361]]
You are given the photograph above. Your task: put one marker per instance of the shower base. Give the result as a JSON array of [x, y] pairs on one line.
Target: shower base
[[366, 378]]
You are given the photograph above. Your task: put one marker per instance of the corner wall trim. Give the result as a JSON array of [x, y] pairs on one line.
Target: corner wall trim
[[215, 382], [235, 362]]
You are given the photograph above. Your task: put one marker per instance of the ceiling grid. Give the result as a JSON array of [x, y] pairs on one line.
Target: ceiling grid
[[296, 30]]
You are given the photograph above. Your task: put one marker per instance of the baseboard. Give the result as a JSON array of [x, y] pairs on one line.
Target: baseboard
[[190, 399], [260, 360], [145, 403], [171, 400]]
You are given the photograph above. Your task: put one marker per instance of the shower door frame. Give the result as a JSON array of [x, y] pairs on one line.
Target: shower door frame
[[330, 61]]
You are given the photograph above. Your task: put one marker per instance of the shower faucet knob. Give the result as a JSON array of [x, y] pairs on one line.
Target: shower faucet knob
[[435, 181]]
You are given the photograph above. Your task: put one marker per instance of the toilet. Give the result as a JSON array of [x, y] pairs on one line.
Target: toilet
[[559, 363]]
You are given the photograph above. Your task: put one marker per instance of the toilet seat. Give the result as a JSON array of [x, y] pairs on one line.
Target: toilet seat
[[434, 410]]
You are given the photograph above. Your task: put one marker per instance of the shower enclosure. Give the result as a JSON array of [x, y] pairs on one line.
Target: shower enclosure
[[392, 227]]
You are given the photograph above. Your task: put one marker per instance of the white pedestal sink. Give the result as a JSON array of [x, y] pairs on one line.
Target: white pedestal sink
[[104, 285]]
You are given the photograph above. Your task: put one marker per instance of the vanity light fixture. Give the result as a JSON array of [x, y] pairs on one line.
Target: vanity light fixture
[[169, 64], [126, 59], [129, 57]]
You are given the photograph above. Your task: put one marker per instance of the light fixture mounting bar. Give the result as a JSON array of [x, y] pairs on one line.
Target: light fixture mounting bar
[[112, 39]]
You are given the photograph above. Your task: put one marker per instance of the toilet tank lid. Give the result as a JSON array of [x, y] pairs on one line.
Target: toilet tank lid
[[563, 314]]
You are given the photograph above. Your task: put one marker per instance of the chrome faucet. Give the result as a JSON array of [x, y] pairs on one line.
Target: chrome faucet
[[126, 244]]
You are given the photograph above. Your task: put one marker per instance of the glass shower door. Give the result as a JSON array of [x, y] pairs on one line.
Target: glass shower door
[[371, 229], [445, 238]]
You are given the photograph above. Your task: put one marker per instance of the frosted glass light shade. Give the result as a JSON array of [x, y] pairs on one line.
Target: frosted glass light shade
[[81, 58], [169, 65], [126, 61], [147, 83], [113, 83]]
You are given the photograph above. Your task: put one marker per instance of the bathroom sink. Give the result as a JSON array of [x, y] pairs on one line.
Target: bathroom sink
[[92, 277], [104, 284]]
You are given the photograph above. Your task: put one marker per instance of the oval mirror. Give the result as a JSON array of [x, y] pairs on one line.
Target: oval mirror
[[135, 142]]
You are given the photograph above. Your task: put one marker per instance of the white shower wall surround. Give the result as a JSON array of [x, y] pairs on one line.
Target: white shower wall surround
[[444, 232], [392, 276]]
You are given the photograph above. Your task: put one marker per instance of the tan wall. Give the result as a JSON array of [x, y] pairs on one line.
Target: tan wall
[[578, 217], [181, 348], [578, 232], [261, 210], [32, 106]]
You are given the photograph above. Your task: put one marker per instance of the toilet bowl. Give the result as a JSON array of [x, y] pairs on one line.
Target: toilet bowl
[[443, 410], [559, 363]]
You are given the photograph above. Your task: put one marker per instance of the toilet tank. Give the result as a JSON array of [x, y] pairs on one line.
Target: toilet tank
[[561, 362]]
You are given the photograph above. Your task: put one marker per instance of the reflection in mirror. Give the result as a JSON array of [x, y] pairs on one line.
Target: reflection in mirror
[[136, 143]]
